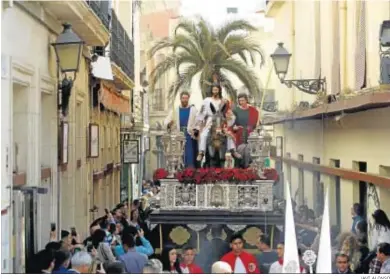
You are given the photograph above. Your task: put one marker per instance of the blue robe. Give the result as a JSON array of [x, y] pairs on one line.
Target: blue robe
[[191, 147]]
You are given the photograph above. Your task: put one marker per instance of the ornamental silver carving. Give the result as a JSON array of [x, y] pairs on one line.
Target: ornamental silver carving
[[309, 257], [236, 228], [217, 196], [185, 195], [197, 227], [221, 196], [248, 196]]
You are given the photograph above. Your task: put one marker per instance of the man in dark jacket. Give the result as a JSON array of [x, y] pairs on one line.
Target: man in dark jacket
[[342, 265]]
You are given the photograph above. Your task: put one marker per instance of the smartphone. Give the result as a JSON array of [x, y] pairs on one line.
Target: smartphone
[[73, 231], [53, 227], [106, 210]]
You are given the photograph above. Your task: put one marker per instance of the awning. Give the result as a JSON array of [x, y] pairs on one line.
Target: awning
[[114, 101]]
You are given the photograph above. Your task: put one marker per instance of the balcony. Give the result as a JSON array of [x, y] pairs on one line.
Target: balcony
[[273, 7], [102, 10], [85, 22], [121, 48]]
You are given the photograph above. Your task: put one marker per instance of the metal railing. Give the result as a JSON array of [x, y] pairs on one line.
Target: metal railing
[[121, 47], [103, 10]]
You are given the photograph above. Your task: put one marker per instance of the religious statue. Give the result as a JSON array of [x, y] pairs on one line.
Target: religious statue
[[213, 121], [183, 119], [246, 119]]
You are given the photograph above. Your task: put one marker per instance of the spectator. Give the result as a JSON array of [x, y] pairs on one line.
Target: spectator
[[104, 253], [88, 241], [342, 265], [54, 246], [221, 268], [381, 231], [133, 261], [81, 262], [61, 262], [267, 256], [115, 268], [357, 215], [170, 261], [43, 262], [188, 266], [134, 219], [66, 240], [153, 266], [146, 248], [383, 256]]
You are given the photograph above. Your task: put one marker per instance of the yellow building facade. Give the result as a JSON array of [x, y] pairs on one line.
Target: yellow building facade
[[340, 140]]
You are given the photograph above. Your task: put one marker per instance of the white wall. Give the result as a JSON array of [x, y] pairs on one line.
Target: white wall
[[26, 54]]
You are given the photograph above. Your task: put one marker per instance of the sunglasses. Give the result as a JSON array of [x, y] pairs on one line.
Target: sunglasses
[[342, 262]]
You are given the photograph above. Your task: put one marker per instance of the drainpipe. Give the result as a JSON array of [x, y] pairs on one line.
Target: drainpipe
[[344, 11], [293, 46]]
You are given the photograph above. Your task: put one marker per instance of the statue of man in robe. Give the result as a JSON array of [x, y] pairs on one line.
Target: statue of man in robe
[[183, 119]]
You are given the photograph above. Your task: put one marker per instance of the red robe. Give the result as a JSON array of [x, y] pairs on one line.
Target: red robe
[[253, 120], [192, 268], [246, 259]]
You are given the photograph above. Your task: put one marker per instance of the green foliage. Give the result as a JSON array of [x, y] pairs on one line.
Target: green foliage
[[197, 48]]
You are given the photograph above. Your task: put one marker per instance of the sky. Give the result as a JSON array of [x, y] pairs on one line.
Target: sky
[[215, 10]]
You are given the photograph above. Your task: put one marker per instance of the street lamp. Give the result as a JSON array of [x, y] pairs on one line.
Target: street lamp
[[68, 52], [68, 47], [281, 59]]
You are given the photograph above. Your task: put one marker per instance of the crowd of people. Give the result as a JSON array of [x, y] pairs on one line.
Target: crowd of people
[[118, 243], [351, 250]]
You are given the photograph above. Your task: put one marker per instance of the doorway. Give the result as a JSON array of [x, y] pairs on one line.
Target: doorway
[[363, 188], [24, 227]]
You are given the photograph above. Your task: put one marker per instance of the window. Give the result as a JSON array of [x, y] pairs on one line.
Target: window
[[232, 10], [158, 100], [301, 181]]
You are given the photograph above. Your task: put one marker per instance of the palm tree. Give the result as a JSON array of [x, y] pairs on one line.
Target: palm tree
[[198, 48]]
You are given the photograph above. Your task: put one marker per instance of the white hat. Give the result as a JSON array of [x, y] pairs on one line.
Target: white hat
[[221, 268]]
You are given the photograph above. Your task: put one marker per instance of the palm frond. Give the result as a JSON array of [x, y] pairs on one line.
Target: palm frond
[[207, 72], [162, 68], [236, 44], [243, 73], [185, 78], [236, 25], [228, 86]]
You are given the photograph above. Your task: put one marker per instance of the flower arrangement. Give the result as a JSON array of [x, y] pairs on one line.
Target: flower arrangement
[[212, 175], [160, 174]]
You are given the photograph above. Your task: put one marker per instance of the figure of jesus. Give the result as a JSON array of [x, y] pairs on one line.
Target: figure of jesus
[[204, 122]]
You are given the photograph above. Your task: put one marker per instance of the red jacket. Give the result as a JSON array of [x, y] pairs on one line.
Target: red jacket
[[192, 268], [247, 259]]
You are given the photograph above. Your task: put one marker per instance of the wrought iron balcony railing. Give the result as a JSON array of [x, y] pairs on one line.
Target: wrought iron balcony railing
[[103, 10], [121, 47]]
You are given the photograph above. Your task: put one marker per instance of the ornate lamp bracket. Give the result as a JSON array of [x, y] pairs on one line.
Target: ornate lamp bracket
[[310, 86]]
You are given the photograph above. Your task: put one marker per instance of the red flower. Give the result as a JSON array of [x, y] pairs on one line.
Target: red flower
[[160, 174], [212, 175]]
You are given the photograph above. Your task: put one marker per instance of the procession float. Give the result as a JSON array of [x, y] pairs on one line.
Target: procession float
[[203, 207]]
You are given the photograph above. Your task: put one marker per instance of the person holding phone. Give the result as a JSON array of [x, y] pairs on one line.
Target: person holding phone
[[146, 248]]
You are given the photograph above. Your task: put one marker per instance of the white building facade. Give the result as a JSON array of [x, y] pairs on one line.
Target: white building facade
[[29, 134]]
